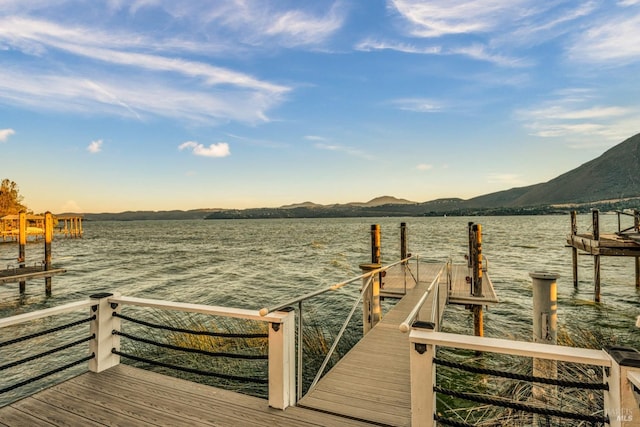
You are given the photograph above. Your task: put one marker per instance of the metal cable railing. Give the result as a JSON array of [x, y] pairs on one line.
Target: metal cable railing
[[298, 302], [49, 352], [190, 350]]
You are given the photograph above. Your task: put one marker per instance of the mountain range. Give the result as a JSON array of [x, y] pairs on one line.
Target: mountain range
[[611, 181]]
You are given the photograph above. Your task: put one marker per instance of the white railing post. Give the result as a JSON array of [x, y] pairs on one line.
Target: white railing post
[[620, 402], [423, 379], [282, 362], [103, 327]]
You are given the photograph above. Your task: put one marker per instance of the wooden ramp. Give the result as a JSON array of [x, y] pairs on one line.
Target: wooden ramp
[[127, 396], [371, 383]]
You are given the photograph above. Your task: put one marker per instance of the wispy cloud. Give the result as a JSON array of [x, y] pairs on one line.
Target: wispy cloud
[[314, 138], [613, 40], [95, 146], [5, 134], [424, 167], [109, 65], [437, 18], [220, 149], [476, 51], [344, 149], [419, 105], [575, 116], [369, 45]]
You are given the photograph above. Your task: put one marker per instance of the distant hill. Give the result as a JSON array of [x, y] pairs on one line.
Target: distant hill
[[613, 175], [611, 181], [148, 215], [383, 200]]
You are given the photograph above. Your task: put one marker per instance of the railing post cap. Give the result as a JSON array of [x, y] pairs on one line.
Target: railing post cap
[[624, 356], [424, 325], [101, 295], [370, 266], [545, 275]]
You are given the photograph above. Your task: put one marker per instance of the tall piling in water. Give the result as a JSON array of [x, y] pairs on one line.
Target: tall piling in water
[[22, 245], [48, 237]]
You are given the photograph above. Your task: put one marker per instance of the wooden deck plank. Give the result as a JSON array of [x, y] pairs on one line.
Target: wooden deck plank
[[124, 395], [372, 381]]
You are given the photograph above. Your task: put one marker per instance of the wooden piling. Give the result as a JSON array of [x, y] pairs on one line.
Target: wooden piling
[[596, 258], [375, 244], [22, 244], [475, 256], [48, 237], [403, 240], [574, 250]]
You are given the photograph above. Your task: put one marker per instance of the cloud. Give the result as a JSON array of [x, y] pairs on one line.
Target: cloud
[[424, 167], [576, 116], [344, 149], [220, 149], [437, 18], [314, 138], [95, 146], [5, 134], [125, 73], [475, 51], [614, 40], [418, 105]]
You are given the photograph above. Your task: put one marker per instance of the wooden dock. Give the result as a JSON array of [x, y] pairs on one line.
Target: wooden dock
[[624, 243], [14, 275], [368, 386], [371, 383], [127, 396]]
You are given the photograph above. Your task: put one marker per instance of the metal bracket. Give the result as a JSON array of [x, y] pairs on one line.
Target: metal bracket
[[420, 348], [275, 326]]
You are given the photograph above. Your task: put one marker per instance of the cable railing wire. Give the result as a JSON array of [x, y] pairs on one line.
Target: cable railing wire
[[46, 353], [190, 370], [45, 332], [521, 406], [46, 374], [192, 350], [521, 377], [190, 331]]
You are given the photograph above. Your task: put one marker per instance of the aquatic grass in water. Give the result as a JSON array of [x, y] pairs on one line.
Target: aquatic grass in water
[[316, 341], [582, 401]]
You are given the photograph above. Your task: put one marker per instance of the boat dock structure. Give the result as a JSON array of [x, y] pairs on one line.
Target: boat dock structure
[[623, 243], [20, 272], [391, 377]]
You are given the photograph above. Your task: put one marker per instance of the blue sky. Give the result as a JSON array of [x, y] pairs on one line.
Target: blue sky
[[108, 106]]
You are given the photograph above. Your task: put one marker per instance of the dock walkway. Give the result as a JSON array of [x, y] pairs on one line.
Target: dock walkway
[[127, 396], [371, 382], [368, 386]]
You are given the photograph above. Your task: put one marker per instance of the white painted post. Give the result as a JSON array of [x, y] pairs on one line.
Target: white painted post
[[103, 327], [282, 362], [423, 379], [621, 400], [545, 330]]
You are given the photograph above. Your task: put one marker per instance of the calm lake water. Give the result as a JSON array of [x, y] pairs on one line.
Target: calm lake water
[[257, 263]]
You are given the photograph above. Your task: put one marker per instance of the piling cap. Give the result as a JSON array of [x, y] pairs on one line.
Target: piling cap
[[545, 275]]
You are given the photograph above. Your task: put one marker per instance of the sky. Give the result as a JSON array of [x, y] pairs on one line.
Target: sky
[[109, 106]]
